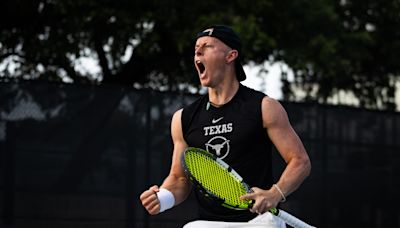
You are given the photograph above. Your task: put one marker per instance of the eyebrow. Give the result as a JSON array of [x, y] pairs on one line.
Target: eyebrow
[[200, 45]]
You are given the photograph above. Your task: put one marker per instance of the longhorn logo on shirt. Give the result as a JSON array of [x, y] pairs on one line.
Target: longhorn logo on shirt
[[219, 145]]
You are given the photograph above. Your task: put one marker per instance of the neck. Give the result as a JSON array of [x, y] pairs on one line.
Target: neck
[[221, 95]]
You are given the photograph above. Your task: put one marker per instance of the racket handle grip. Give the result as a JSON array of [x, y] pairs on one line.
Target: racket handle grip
[[293, 221]]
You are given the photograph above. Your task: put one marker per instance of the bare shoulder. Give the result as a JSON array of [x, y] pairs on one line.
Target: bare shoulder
[[177, 115], [176, 126], [273, 112], [270, 102]]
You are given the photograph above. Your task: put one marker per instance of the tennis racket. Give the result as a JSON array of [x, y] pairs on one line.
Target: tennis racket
[[219, 182]]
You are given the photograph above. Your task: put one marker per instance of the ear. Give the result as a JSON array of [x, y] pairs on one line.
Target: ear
[[231, 56]]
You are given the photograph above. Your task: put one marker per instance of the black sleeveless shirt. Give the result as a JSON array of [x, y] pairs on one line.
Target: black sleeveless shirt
[[235, 133]]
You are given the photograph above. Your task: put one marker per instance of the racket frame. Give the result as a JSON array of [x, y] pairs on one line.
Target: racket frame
[[206, 192], [286, 217]]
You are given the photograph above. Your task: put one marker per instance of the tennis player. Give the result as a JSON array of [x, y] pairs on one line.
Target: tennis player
[[239, 125]]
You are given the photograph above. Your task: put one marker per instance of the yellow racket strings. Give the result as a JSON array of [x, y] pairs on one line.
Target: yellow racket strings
[[216, 179]]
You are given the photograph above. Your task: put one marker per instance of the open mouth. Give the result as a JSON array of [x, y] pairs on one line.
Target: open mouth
[[200, 66]]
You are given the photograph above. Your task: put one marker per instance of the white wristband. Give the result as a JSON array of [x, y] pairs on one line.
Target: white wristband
[[166, 198]]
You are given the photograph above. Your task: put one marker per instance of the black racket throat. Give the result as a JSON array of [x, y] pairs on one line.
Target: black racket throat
[[215, 180], [219, 183]]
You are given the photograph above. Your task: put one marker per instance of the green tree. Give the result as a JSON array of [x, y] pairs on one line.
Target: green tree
[[347, 45], [351, 47]]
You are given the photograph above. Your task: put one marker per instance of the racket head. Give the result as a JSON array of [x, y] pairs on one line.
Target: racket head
[[215, 179]]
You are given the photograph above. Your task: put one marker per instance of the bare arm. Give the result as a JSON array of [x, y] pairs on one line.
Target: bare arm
[[176, 181], [290, 147], [288, 144]]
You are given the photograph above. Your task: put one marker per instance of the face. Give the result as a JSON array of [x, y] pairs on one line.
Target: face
[[210, 59]]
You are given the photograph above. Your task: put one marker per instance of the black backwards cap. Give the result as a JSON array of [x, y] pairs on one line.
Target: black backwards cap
[[228, 37]]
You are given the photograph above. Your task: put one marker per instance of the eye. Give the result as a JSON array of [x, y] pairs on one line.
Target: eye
[[202, 46]]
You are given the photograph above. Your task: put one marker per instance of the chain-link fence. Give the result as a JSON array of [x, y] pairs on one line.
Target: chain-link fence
[[79, 156]]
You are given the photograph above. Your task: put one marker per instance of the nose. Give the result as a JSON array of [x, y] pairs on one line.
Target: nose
[[198, 50]]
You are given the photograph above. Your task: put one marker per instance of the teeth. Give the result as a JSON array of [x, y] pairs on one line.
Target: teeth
[[200, 66]]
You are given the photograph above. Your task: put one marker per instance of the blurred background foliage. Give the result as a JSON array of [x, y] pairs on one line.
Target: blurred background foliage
[[331, 46]]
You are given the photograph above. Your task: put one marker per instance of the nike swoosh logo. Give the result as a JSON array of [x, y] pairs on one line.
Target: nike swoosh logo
[[214, 121]]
